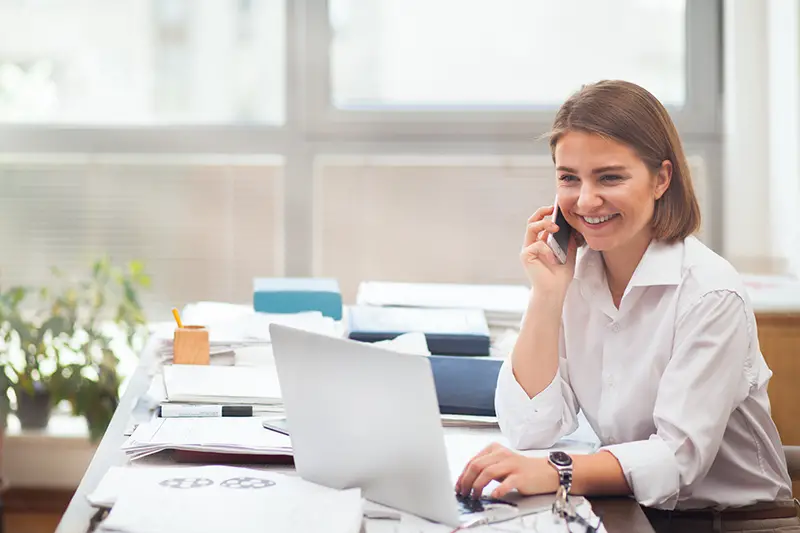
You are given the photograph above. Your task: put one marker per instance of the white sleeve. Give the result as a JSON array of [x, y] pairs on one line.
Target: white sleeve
[[707, 377], [537, 422]]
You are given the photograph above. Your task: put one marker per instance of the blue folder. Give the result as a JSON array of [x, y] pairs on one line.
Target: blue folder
[[465, 385], [295, 295]]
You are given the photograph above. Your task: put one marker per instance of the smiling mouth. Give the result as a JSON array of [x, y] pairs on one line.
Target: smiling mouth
[[596, 221]]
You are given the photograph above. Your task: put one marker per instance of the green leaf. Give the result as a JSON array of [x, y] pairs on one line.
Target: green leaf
[[136, 268], [18, 294], [130, 293]]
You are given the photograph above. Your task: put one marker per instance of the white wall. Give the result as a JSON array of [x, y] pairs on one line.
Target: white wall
[[761, 178]]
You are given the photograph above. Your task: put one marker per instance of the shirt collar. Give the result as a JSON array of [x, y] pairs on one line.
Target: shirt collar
[[661, 264]]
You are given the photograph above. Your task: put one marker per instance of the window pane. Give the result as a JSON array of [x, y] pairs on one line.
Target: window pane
[[142, 61], [501, 53]]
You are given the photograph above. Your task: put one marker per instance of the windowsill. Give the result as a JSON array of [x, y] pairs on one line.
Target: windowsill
[[62, 426], [54, 458]]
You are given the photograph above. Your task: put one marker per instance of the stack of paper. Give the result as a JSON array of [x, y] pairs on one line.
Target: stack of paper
[[252, 382], [447, 331], [234, 435], [469, 421], [504, 305], [233, 385], [218, 498], [232, 326]]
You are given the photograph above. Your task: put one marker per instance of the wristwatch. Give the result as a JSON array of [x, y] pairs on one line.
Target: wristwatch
[[562, 462]]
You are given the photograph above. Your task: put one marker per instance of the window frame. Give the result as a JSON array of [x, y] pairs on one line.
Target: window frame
[[695, 117], [312, 127]]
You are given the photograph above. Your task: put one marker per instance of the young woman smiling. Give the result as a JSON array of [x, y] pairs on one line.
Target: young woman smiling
[[646, 330]]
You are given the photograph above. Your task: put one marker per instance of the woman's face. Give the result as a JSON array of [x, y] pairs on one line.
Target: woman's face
[[605, 190]]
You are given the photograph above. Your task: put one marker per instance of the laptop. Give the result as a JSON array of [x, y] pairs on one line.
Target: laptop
[[363, 416]]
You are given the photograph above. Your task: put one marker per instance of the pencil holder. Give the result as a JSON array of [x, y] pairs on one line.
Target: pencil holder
[[191, 346]]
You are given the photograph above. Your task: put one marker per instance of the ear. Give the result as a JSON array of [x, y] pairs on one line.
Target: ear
[[663, 178]]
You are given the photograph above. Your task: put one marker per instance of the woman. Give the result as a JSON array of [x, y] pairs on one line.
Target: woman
[[645, 329]]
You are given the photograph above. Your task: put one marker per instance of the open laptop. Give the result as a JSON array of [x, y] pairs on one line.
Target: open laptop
[[363, 416]]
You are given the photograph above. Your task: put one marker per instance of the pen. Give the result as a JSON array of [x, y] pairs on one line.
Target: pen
[[169, 410], [177, 316]]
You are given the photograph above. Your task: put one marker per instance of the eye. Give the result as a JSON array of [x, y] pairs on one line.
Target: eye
[[568, 177], [611, 177]]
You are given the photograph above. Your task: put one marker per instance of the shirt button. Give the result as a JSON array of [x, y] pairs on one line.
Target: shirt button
[[615, 327]]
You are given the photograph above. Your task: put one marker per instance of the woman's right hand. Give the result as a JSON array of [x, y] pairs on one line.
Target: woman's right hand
[[545, 273]]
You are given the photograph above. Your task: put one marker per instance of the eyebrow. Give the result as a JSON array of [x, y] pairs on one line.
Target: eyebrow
[[598, 170]]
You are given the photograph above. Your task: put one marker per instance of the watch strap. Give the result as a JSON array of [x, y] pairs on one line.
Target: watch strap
[[565, 477]]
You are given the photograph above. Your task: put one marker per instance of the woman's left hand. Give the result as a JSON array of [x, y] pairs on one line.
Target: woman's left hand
[[528, 475]]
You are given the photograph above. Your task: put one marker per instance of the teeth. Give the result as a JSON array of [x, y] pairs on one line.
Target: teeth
[[597, 220]]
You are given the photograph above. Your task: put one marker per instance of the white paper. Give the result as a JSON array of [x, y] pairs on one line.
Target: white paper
[[219, 498], [469, 421], [500, 299], [242, 435], [206, 313], [411, 343], [118, 477], [248, 356], [233, 326], [257, 325], [544, 522], [222, 384]]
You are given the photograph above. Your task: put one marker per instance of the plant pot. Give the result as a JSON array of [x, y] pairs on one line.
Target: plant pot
[[33, 410]]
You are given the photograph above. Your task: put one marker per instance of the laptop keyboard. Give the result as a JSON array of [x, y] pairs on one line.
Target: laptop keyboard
[[468, 505]]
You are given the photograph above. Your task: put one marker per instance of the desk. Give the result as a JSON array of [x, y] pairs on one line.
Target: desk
[[620, 515], [776, 302], [779, 337]]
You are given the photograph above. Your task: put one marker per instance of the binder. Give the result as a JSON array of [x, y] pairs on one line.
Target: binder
[[295, 295], [221, 458], [465, 385], [447, 331]]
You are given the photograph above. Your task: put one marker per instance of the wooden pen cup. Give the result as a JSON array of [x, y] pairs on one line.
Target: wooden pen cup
[[191, 346]]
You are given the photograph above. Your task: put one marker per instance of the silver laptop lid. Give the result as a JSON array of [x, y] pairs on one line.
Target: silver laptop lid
[[363, 416]]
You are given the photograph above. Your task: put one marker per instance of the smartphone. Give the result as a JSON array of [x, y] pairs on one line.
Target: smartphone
[[559, 241]]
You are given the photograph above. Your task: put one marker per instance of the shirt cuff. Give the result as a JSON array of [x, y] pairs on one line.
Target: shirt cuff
[[651, 471], [519, 413]]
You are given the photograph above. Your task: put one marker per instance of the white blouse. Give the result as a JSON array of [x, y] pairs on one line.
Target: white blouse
[[673, 382]]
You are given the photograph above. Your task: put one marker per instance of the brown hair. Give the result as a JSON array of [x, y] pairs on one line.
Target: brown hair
[[629, 114]]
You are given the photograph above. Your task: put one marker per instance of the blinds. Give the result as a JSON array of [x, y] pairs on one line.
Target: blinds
[[457, 219], [203, 226]]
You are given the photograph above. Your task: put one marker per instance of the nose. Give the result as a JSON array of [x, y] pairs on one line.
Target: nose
[[589, 199]]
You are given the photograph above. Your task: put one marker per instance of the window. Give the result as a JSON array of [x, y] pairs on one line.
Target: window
[[142, 62], [219, 140], [441, 54]]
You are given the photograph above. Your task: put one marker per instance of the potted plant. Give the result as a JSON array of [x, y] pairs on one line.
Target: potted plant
[[70, 345], [28, 362]]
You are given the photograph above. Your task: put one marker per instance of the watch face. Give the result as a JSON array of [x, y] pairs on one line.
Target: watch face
[[560, 459]]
